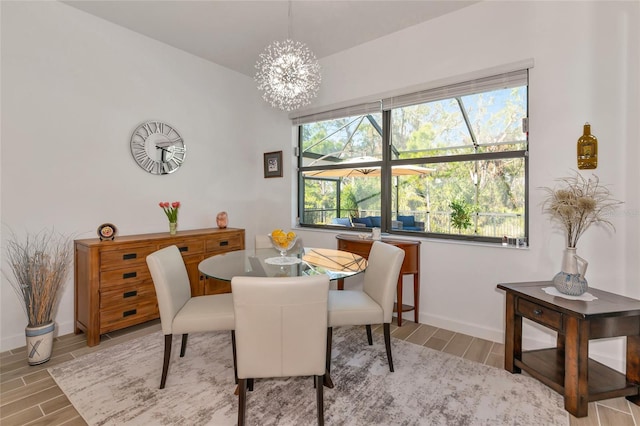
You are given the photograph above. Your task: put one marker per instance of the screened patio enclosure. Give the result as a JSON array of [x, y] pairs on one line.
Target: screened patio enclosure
[[431, 156]]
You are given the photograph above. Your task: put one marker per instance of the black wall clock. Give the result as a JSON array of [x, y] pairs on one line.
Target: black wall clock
[[158, 148]]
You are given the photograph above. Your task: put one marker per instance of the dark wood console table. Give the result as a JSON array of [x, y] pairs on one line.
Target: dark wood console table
[[410, 266], [567, 368]]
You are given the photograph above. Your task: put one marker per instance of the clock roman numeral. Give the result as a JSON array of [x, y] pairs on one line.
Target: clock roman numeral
[[157, 154], [139, 133], [140, 157], [167, 168], [139, 153], [138, 147], [148, 164], [147, 128]]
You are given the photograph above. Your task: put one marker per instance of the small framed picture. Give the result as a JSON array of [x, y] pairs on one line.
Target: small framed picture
[[273, 164]]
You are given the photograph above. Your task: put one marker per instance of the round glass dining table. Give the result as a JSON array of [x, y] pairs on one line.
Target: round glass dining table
[[268, 262]]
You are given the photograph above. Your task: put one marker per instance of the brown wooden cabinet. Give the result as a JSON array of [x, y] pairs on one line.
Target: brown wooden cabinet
[[567, 367], [410, 266], [113, 286]]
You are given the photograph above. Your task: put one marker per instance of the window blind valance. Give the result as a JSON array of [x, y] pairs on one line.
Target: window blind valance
[[485, 84], [500, 77], [350, 111]]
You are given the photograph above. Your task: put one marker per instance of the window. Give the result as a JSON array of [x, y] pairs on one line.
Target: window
[[449, 162]]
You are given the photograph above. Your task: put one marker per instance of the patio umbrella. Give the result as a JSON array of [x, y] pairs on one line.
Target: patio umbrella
[[368, 171]]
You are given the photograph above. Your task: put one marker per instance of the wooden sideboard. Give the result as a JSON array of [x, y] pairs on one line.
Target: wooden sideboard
[[113, 286], [410, 266]]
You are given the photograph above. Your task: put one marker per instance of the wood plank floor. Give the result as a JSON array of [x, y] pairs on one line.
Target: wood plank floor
[[29, 396]]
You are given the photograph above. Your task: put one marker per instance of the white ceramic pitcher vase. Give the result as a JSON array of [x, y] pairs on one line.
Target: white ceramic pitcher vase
[[571, 279]]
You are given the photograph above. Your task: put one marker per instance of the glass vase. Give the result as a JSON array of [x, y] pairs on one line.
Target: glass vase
[[173, 228], [587, 149]]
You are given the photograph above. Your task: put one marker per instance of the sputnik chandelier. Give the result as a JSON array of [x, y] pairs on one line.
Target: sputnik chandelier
[[288, 73]]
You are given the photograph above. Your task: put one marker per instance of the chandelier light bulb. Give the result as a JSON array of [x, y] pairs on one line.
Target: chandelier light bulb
[[288, 74]]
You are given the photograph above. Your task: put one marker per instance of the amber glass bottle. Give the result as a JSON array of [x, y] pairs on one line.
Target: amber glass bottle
[[587, 149]]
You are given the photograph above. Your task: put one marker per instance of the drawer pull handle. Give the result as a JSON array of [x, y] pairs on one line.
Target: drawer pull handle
[[224, 243], [129, 294], [537, 312], [129, 256], [129, 313], [129, 275], [184, 248]]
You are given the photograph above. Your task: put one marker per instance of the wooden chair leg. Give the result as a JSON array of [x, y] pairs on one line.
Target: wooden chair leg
[[183, 348], [369, 337], [320, 399], [233, 346], [327, 375], [329, 342], [250, 384], [387, 343], [242, 401], [167, 357]]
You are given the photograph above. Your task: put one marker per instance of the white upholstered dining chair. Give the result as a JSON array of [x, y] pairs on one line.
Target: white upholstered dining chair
[[263, 241], [180, 313], [280, 326], [372, 305]]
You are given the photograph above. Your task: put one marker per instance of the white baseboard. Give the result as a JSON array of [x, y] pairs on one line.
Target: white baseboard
[[18, 340], [610, 352], [475, 330]]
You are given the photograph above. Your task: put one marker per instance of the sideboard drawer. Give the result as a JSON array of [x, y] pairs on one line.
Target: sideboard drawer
[[189, 247], [361, 249], [221, 244], [126, 294], [131, 275], [540, 314], [110, 259], [128, 314]]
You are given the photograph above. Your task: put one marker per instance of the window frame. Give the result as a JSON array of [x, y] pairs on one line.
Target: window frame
[[385, 107]]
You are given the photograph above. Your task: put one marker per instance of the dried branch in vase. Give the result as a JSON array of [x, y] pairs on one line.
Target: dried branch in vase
[[40, 265], [578, 203]]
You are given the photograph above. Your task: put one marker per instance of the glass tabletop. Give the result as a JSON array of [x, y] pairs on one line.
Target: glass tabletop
[[268, 262]]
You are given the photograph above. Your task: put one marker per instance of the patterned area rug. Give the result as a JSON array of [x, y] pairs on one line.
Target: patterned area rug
[[119, 385]]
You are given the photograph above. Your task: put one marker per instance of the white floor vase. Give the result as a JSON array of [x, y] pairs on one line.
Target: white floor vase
[[39, 343]]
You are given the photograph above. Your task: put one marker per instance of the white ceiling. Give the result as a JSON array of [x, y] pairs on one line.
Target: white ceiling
[[234, 33]]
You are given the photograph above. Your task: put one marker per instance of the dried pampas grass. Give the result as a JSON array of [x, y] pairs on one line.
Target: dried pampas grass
[[578, 203]]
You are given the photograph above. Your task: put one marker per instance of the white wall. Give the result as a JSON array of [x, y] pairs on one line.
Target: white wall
[[75, 82], [74, 87], [586, 58]]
